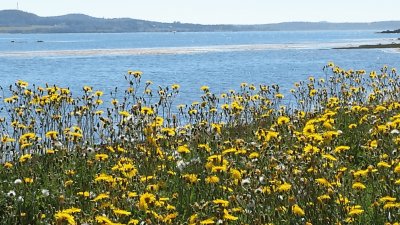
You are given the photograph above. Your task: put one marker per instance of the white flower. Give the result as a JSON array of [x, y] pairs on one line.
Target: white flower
[[20, 199], [258, 190], [181, 164], [11, 194], [90, 150], [195, 160], [281, 167], [58, 144], [395, 131], [17, 181], [245, 181], [262, 180], [45, 192]]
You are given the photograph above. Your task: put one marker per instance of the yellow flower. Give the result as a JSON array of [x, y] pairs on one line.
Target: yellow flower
[[311, 149], [121, 212], [221, 202], [358, 186], [132, 194], [212, 179], [104, 177], [124, 113], [323, 182], [328, 156], [71, 210], [6, 139], [309, 129], [283, 120], [146, 199], [98, 93], [208, 221], [61, 217], [183, 149], [100, 197], [104, 220], [24, 158], [101, 157], [312, 92], [175, 86], [22, 84], [284, 187], [342, 200], [228, 216], [222, 168], [205, 88], [355, 212], [27, 137], [70, 172], [84, 193], [216, 127], [75, 134], [342, 148], [133, 221], [191, 178], [391, 205], [68, 183], [236, 174], [136, 74], [387, 199], [50, 151], [384, 164], [146, 111], [297, 210], [205, 147], [352, 126], [193, 218], [28, 180], [52, 135], [361, 173], [373, 144], [87, 88], [168, 131], [254, 155], [397, 168], [114, 101], [8, 165], [323, 197]]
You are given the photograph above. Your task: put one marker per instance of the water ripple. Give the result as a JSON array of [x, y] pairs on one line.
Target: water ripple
[[184, 50]]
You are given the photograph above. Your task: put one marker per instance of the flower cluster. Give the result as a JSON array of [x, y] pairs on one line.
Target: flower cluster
[[241, 157]]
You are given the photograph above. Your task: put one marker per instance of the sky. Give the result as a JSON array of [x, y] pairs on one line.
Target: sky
[[218, 11]]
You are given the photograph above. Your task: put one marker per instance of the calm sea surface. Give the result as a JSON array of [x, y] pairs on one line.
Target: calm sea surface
[[219, 60]]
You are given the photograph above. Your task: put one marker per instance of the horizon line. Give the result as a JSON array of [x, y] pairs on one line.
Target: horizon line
[[207, 24]]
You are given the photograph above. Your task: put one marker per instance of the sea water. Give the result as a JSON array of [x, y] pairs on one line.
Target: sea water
[[220, 60]]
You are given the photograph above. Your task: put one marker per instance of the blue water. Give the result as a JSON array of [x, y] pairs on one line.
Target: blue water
[[221, 70]]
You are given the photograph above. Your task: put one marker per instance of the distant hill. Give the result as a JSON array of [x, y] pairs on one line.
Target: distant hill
[[15, 21]]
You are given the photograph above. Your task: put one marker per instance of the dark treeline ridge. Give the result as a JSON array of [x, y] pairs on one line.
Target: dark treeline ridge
[[16, 21]]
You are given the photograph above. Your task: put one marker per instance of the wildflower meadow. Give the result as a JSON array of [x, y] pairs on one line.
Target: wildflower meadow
[[330, 155]]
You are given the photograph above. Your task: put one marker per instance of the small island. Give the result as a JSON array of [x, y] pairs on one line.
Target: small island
[[391, 31], [372, 46]]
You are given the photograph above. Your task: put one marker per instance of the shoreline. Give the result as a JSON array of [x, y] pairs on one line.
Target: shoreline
[[372, 46]]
